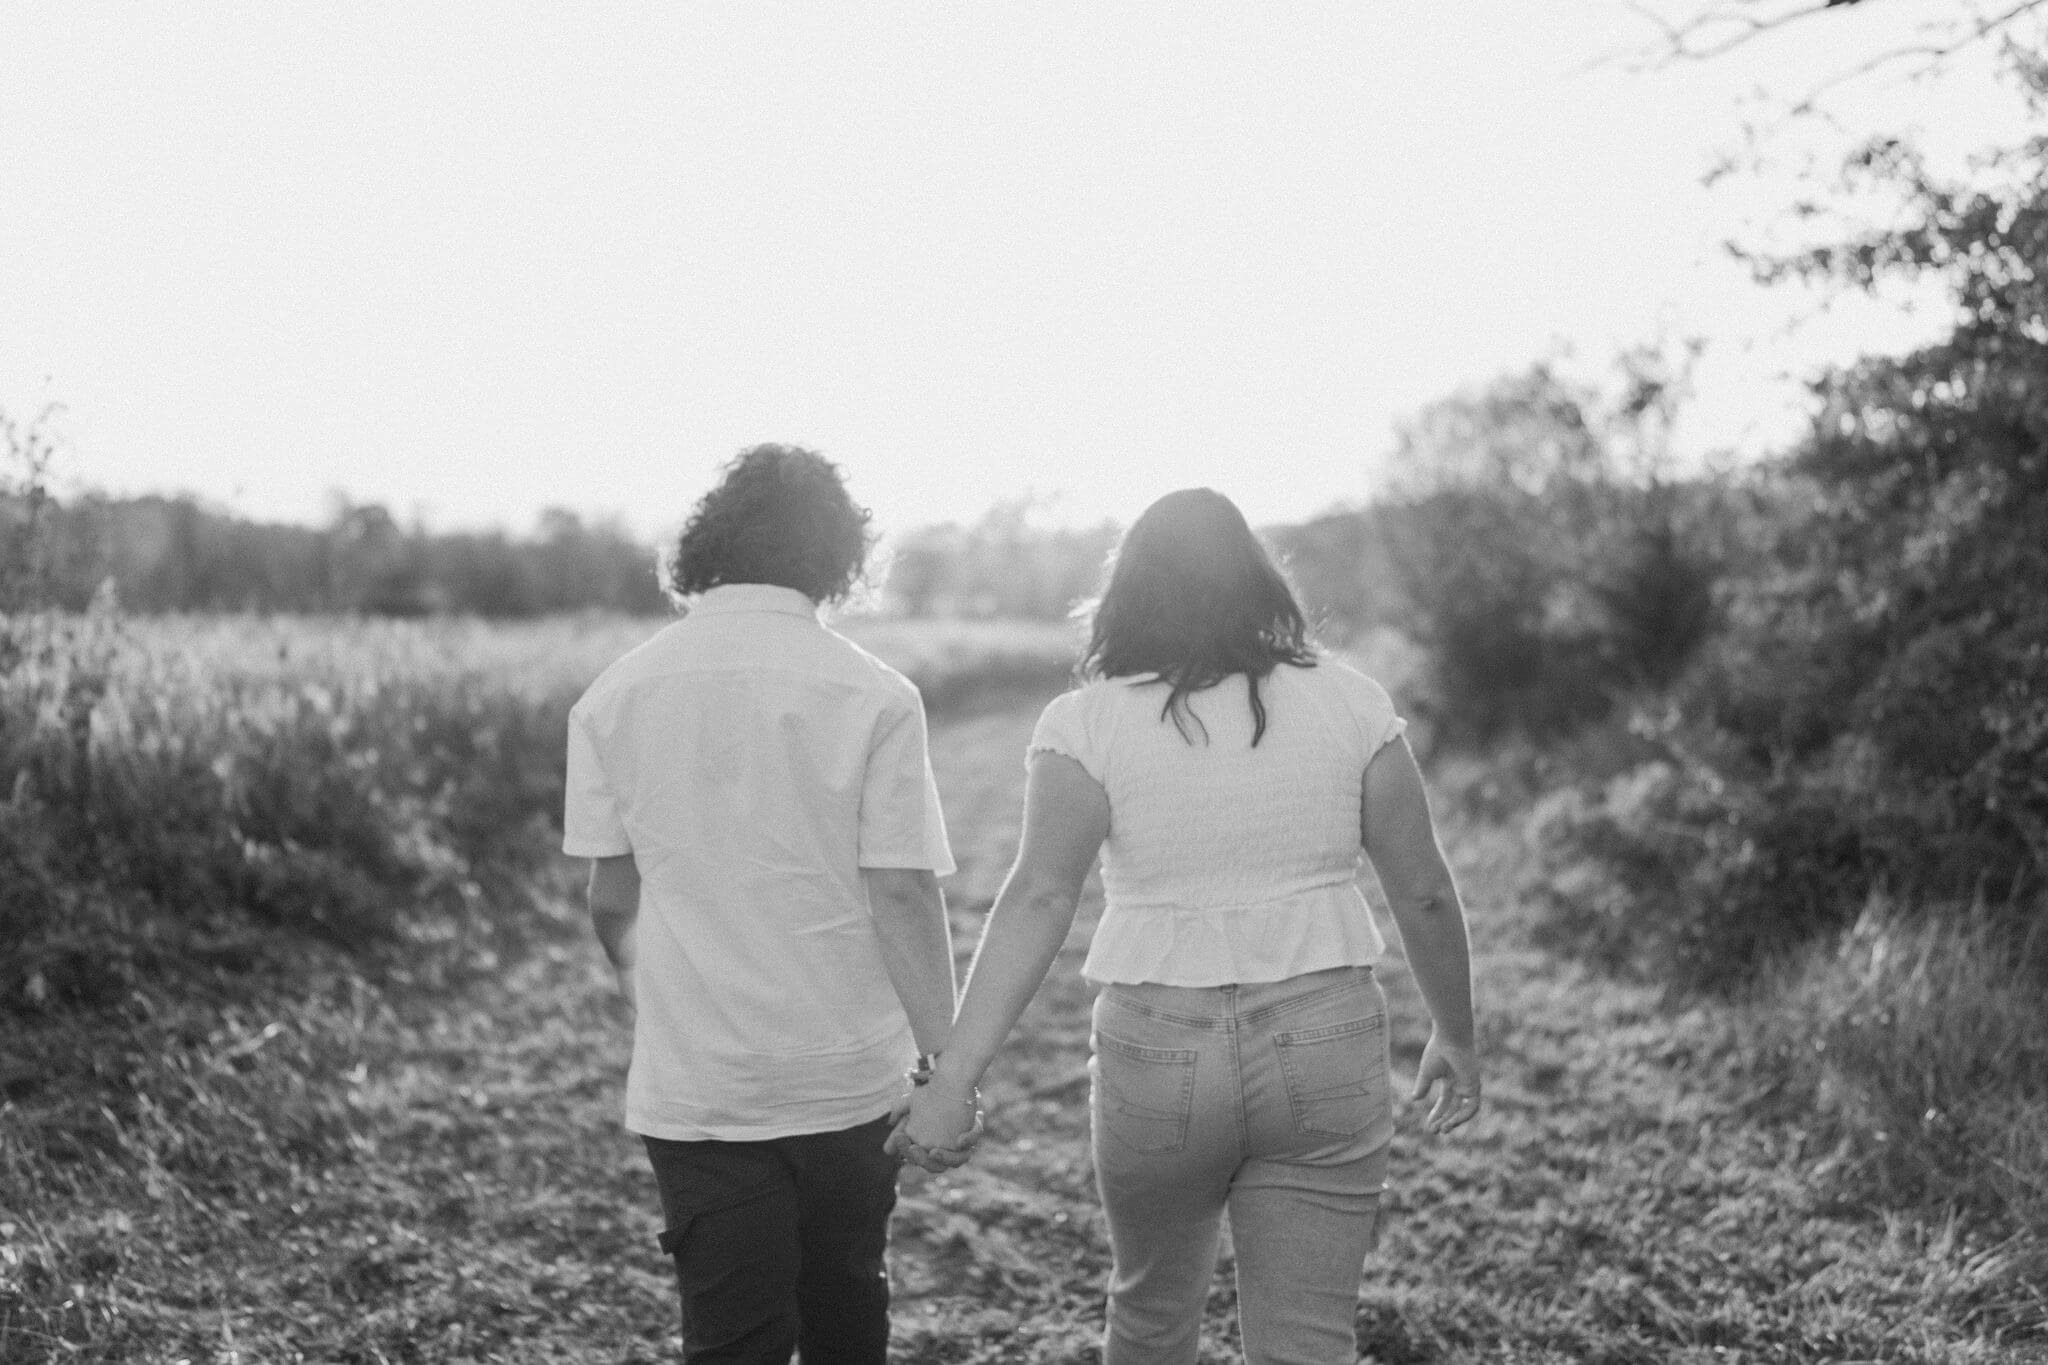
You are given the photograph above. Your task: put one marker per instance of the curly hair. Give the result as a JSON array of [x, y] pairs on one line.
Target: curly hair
[[1194, 597], [780, 514]]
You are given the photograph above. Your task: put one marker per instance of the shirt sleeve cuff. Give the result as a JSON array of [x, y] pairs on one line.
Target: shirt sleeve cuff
[[1064, 750], [584, 847]]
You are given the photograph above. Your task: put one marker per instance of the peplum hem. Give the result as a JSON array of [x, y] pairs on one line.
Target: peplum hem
[[1219, 945]]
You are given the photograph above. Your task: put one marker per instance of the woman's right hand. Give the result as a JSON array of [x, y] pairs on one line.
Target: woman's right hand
[[1457, 1066], [937, 1131]]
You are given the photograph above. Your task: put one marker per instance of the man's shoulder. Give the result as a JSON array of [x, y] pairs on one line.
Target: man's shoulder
[[865, 668], [648, 657], [817, 657]]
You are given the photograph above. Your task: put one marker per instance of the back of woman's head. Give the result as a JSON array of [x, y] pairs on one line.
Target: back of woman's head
[[780, 514], [1194, 597]]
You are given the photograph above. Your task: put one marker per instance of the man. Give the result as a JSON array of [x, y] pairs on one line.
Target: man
[[757, 801]]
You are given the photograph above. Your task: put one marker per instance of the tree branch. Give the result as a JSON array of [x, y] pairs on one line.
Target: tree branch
[[1719, 28]]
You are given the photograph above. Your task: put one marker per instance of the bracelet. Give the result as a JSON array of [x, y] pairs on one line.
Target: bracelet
[[921, 1075]]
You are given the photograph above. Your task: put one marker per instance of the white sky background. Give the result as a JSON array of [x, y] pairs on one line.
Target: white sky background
[[472, 261]]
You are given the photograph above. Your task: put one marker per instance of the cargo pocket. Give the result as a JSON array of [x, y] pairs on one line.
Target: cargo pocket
[[729, 1209], [712, 1185], [1144, 1095], [1336, 1076]]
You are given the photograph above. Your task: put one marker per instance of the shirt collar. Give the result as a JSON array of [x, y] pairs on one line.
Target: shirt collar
[[743, 597]]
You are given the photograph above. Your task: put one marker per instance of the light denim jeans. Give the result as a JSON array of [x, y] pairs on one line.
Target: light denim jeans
[[1271, 1100]]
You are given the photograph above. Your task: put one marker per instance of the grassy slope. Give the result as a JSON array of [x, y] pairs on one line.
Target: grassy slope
[[1616, 1202], [389, 1178]]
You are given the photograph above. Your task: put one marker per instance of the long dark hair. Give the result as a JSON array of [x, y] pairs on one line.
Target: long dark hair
[[1194, 597]]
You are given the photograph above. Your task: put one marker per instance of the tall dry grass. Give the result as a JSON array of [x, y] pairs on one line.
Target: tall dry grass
[[177, 792], [1918, 1042], [1908, 1047], [184, 795]]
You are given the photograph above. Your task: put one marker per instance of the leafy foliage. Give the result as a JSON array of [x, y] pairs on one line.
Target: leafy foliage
[[1873, 717], [1542, 556], [1912, 610]]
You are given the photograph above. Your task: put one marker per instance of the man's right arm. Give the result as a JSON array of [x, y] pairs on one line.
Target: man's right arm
[[614, 898]]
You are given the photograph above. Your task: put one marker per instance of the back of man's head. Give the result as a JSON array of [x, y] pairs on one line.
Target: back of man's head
[[779, 514]]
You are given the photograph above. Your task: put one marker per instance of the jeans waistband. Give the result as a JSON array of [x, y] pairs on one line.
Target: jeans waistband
[[1222, 1006]]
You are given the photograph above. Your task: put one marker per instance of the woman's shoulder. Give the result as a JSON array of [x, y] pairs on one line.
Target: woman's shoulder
[[1370, 704], [1091, 698], [1081, 723], [1341, 673]]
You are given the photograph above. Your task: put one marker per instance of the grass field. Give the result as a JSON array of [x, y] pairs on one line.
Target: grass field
[[335, 1168]]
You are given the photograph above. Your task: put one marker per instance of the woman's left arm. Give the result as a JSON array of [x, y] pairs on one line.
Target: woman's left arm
[[1066, 818]]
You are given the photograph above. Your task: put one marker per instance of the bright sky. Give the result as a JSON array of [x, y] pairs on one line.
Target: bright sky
[[472, 261]]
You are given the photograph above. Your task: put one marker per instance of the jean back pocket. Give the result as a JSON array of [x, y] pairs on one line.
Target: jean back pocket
[[1337, 1081], [1143, 1095]]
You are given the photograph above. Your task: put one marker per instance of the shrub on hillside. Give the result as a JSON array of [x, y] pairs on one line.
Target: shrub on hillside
[[186, 807], [1872, 717], [1700, 871], [1671, 872], [1541, 559], [1509, 653]]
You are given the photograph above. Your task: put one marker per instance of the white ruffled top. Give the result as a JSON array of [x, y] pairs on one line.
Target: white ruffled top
[[1229, 862]]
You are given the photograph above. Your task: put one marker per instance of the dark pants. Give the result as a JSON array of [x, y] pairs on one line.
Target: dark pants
[[780, 1244]]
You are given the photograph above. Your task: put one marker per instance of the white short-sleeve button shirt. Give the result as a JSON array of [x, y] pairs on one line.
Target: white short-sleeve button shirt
[[753, 761]]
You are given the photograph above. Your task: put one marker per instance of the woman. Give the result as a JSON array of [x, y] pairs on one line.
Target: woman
[[1229, 776]]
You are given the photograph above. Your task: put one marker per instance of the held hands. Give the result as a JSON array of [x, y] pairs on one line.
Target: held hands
[[1458, 1068], [935, 1130]]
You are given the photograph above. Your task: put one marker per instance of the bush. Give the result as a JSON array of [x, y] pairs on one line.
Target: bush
[[1670, 873], [1872, 717], [1546, 578], [180, 797]]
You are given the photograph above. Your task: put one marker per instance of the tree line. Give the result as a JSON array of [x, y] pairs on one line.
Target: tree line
[[176, 554]]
